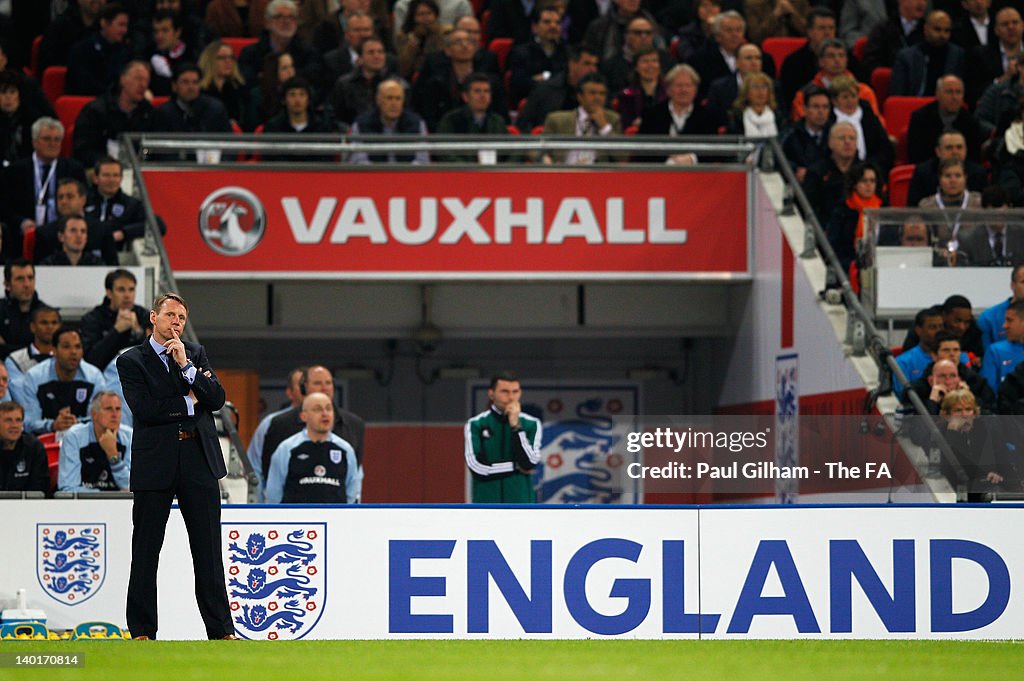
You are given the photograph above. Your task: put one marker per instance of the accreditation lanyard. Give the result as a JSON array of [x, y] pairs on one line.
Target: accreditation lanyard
[[43, 189], [963, 206]]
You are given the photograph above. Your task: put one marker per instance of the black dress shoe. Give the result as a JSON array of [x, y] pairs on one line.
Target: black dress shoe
[[143, 637], [230, 637]]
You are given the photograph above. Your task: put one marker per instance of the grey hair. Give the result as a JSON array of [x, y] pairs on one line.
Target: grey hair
[[273, 6], [716, 25], [44, 123], [97, 399]]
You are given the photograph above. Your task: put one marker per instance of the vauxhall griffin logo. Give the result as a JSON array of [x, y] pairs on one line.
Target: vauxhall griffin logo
[[232, 221]]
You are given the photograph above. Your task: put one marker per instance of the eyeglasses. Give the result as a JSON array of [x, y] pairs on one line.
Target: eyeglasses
[[284, 17], [50, 138]]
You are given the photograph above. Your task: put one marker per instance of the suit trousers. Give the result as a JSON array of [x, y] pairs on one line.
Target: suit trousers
[[199, 501]]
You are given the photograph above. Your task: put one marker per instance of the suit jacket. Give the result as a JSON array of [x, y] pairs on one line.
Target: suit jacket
[[926, 126], [21, 196], [965, 37], [925, 180], [564, 123], [885, 40], [155, 396], [911, 67], [711, 66], [976, 246], [985, 65], [529, 59], [658, 121]]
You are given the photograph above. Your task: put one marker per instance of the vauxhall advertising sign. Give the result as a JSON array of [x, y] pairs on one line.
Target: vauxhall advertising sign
[[454, 224]]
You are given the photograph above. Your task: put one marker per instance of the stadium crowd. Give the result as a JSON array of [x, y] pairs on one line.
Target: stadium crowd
[[875, 103]]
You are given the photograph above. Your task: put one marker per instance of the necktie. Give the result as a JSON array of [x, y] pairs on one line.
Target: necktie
[[103, 212], [998, 250]]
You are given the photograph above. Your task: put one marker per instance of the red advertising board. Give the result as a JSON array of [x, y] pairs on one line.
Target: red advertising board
[[531, 224]]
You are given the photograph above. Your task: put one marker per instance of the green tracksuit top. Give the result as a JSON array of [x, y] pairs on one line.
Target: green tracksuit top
[[495, 454]]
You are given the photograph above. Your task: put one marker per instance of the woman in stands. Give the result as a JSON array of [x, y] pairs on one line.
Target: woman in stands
[[873, 143], [951, 195], [221, 77], [265, 101], [16, 119], [984, 459], [845, 228], [755, 111], [421, 33], [646, 87]]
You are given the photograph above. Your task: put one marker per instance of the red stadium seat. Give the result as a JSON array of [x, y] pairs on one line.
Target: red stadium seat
[[899, 184], [28, 244], [859, 47], [69, 106], [537, 130], [52, 448], [631, 130], [238, 44], [880, 78], [673, 48], [53, 83], [897, 111], [478, 7], [501, 47], [512, 130], [780, 48], [33, 60], [67, 146], [483, 26], [159, 101]]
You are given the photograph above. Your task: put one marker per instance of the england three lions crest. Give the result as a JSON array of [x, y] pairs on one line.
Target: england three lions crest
[[276, 578], [71, 560]]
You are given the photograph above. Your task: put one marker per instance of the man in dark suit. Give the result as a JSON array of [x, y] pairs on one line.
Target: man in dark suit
[[976, 25], [903, 28], [173, 392], [992, 62], [32, 184], [680, 114], [801, 65], [723, 92], [558, 93], [919, 67], [994, 244], [540, 58], [947, 112], [717, 59], [925, 180]]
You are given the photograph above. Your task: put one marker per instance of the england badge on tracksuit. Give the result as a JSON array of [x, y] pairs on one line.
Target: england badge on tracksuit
[[71, 560], [276, 578]]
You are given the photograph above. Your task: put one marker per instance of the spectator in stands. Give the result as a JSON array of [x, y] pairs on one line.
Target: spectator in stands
[[97, 456], [806, 142], [390, 117], [775, 19], [45, 321], [484, 61], [318, 26], [421, 33], [194, 31], [72, 233], [221, 78], [341, 60], [952, 195], [606, 35], [438, 92], [353, 94], [680, 114], [646, 88], [918, 68], [927, 323], [873, 142], [903, 28], [282, 24], [977, 27], [189, 110], [541, 57], [1009, 171], [255, 450], [932, 386], [925, 180], [995, 243], [5, 383], [123, 217], [723, 92], [290, 479], [942, 379], [825, 181], [1000, 101], [857, 18], [95, 62], [116, 323], [991, 321], [72, 26], [17, 306], [913, 233], [449, 11], [348, 426], [992, 63], [511, 19], [755, 113], [1003, 356], [557, 93], [845, 227], [24, 466], [717, 59], [958, 321], [71, 198], [1011, 393], [296, 115], [168, 51], [102, 121], [800, 67], [16, 119], [699, 32], [980, 451], [31, 94], [833, 60], [56, 392], [946, 113], [265, 101], [237, 18], [589, 119], [639, 36], [473, 118], [31, 184]]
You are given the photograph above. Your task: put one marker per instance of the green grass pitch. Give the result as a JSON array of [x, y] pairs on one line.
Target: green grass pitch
[[528, 660]]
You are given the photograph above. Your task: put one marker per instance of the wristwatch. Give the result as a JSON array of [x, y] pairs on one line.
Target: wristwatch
[[188, 365]]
